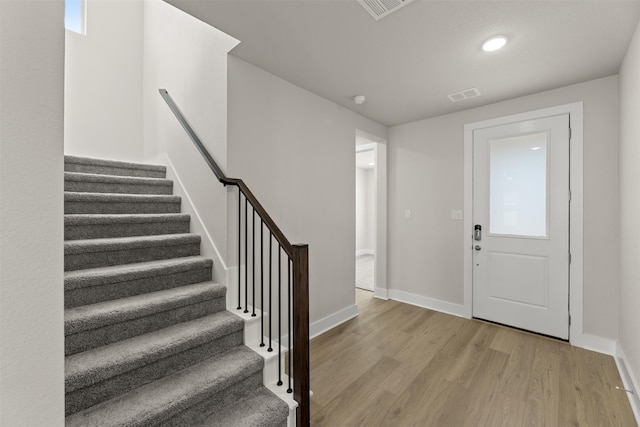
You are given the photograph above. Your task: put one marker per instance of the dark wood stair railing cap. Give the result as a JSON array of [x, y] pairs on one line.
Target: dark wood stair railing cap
[[269, 222]]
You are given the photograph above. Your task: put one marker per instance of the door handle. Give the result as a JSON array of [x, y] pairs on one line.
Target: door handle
[[477, 247]]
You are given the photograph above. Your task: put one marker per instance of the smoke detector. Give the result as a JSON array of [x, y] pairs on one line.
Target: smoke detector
[[359, 99], [378, 9]]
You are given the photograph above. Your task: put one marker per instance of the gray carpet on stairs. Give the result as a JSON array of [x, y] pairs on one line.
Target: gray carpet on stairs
[[79, 227], [107, 203], [109, 167], [89, 286], [147, 338]]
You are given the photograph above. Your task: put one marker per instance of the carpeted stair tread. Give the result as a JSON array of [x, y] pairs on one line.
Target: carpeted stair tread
[[98, 364], [260, 409], [168, 396], [98, 183], [112, 203], [95, 226], [95, 316], [107, 322], [119, 243], [115, 167], [91, 253], [73, 196], [99, 219], [126, 272]]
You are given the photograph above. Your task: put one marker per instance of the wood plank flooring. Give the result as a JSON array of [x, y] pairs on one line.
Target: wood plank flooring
[[401, 365]]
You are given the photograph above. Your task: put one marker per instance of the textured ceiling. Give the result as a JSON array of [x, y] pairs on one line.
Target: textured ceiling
[[408, 62]]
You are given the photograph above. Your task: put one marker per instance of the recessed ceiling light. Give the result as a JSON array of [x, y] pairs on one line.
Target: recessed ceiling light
[[536, 148], [372, 164], [494, 43]]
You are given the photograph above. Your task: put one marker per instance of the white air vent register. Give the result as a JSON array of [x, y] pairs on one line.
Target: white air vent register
[[378, 9], [464, 94]]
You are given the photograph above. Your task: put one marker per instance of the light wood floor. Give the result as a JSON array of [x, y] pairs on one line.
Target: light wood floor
[[400, 365]]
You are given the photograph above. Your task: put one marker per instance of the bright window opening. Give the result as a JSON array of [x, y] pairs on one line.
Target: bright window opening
[[74, 16]]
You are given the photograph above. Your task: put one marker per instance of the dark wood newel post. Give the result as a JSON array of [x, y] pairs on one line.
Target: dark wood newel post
[[301, 367]]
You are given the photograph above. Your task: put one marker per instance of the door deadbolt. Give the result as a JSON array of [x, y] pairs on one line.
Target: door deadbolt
[[477, 232]]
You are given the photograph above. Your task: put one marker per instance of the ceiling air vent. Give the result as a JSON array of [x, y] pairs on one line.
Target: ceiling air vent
[[464, 94], [381, 8]]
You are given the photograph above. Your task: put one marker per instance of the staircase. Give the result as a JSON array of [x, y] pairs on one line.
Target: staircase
[[147, 338]]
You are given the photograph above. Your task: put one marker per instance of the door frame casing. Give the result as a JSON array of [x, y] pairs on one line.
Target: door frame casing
[[575, 111]]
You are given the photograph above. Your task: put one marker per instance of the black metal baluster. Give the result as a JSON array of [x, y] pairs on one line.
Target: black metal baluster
[[246, 260], [289, 390], [262, 282], [279, 315], [239, 245], [270, 279], [253, 260]]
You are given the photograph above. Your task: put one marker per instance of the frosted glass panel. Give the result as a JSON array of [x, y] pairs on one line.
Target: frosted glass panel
[[518, 185]]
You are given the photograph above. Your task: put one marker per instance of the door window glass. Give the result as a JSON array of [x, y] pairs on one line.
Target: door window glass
[[518, 185]]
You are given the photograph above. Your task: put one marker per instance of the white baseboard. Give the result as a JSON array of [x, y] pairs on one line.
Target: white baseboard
[[382, 293], [331, 321], [595, 343], [365, 252], [208, 247], [426, 302], [629, 379], [325, 324]]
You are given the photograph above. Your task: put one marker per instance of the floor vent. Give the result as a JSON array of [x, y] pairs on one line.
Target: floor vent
[[464, 94], [378, 9]]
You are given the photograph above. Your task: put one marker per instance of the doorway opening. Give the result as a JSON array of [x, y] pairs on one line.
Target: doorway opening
[[365, 218], [370, 220]]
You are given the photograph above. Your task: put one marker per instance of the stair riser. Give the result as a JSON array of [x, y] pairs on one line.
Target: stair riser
[[86, 397], [270, 372], [255, 328], [87, 340], [123, 289], [212, 404], [97, 231], [78, 207], [107, 170], [106, 187], [128, 256]]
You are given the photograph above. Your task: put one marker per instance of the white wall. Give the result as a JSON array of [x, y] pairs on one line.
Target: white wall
[[295, 151], [31, 147], [189, 59], [629, 316], [103, 83], [365, 210], [426, 176]]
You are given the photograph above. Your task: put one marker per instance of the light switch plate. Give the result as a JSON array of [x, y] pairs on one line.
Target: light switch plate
[[407, 214], [456, 215]]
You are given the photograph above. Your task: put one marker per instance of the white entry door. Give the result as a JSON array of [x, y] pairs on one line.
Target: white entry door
[[521, 225]]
